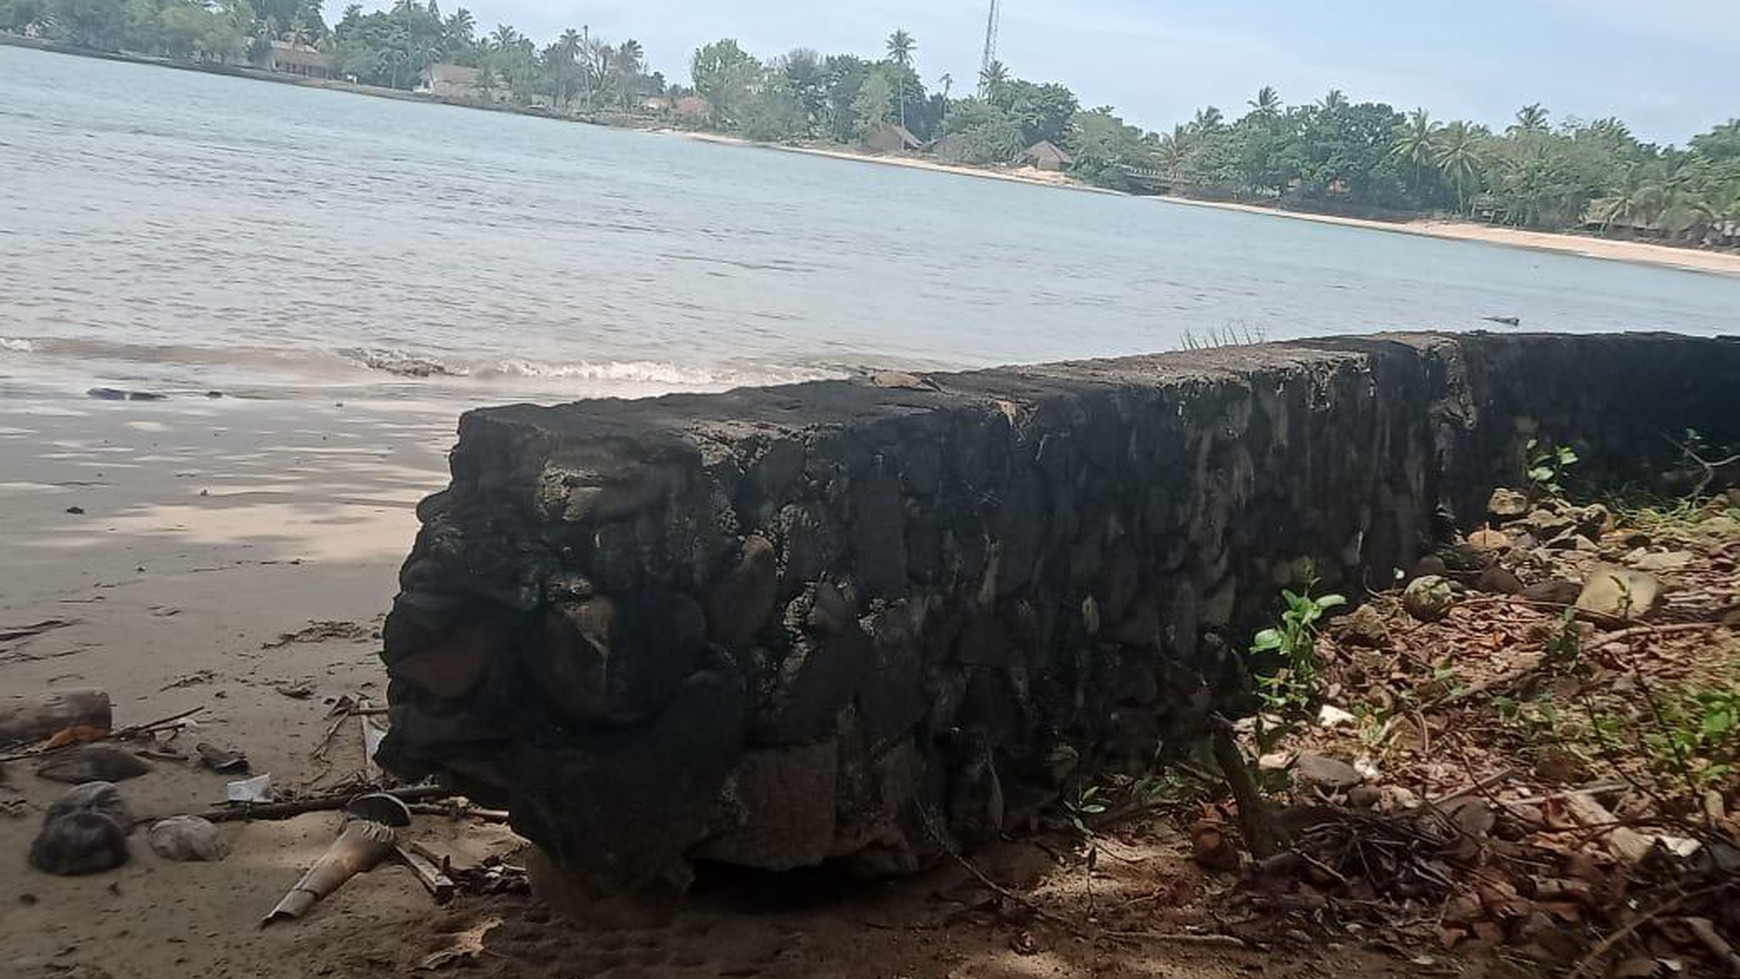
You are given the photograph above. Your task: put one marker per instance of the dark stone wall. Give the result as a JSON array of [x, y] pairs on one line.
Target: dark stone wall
[[843, 621]]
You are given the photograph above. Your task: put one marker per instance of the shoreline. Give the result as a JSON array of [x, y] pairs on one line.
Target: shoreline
[[1562, 242], [1566, 243], [1022, 175]]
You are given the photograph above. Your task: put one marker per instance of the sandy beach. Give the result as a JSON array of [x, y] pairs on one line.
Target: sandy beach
[[232, 550], [209, 530], [1637, 252]]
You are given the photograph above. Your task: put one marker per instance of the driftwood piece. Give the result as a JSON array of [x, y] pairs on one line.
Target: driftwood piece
[[32, 718], [430, 872], [324, 803]]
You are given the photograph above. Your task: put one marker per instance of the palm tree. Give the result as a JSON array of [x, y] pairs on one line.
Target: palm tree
[[1335, 101], [485, 82], [628, 64], [504, 38], [900, 48], [564, 50], [992, 78], [462, 26], [1169, 155], [1531, 118], [1267, 104], [1415, 143], [404, 6], [1207, 120], [1457, 154], [947, 81]]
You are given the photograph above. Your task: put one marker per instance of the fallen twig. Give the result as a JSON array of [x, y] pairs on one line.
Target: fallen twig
[[1005, 893], [1592, 957], [1705, 932], [1621, 635], [324, 803]]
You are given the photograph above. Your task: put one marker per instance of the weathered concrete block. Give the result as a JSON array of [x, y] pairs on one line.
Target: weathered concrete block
[[844, 622]]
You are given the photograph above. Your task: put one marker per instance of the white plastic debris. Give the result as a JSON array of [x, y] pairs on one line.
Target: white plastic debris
[[256, 789], [1332, 716]]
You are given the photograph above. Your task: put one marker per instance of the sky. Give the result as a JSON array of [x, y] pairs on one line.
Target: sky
[[1667, 67]]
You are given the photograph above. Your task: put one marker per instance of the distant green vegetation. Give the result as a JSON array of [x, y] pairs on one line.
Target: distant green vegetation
[[1330, 154]]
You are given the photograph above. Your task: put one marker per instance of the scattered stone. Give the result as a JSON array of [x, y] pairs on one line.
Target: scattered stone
[[1594, 520], [1507, 504], [1364, 796], [297, 691], [188, 838], [221, 760], [1430, 566], [85, 832], [1572, 542], [1275, 761], [1667, 561], [1211, 847], [1395, 798], [1553, 591], [92, 763], [1498, 580], [1545, 525], [1720, 525], [1365, 626], [1614, 592], [116, 394], [1489, 541], [76, 510], [1473, 816], [1465, 559], [1326, 773], [1558, 765], [1428, 599]]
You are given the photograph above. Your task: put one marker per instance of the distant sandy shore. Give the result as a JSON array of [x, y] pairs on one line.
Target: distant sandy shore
[[1019, 175], [1637, 252]]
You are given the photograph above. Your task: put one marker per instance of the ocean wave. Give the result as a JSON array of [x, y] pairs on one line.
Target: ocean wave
[[658, 372], [295, 366], [402, 363]]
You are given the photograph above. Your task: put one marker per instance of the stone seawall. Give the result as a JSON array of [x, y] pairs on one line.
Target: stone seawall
[[844, 621]]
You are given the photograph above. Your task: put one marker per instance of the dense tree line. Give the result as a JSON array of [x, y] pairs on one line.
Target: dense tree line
[[223, 31], [1533, 174], [1328, 154], [576, 70], [388, 48]]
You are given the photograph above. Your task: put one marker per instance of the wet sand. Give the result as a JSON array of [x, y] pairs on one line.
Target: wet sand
[[209, 530]]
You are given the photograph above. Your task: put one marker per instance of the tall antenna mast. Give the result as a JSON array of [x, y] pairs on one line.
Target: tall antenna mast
[[990, 43]]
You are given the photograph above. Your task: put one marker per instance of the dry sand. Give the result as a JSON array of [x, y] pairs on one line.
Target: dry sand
[[1637, 252], [212, 529]]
